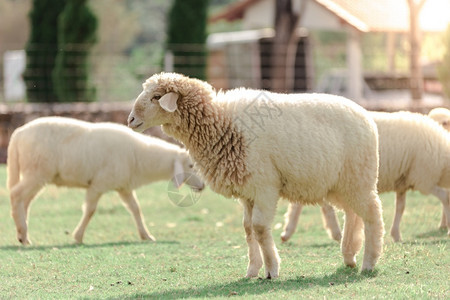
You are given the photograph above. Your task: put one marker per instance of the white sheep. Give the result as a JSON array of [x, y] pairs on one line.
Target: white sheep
[[414, 154], [258, 146], [442, 116], [96, 156]]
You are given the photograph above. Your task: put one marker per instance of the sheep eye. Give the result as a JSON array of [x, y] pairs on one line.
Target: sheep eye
[[156, 97], [191, 166]]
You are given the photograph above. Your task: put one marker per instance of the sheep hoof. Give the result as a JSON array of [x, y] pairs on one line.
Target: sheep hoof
[[367, 268], [271, 275], [337, 237], [251, 274], [351, 263], [25, 242], [149, 238], [284, 237], [396, 236]]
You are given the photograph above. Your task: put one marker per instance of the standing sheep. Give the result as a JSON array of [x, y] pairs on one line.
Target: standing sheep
[[414, 154], [99, 157], [302, 147], [442, 116]]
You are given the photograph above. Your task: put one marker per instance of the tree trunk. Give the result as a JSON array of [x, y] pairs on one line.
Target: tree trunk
[[284, 46], [416, 81]]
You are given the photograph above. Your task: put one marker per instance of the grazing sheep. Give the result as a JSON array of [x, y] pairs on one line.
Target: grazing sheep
[[442, 116], [414, 154], [99, 157], [302, 147]]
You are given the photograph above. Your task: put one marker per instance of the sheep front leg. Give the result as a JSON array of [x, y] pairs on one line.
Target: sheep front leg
[[443, 195], [352, 238], [89, 207], [291, 220], [130, 201], [263, 214], [400, 200], [254, 255], [330, 222]]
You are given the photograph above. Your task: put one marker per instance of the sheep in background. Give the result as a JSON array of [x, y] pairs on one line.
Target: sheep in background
[[96, 156], [414, 154], [298, 147], [329, 219], [442, 116]]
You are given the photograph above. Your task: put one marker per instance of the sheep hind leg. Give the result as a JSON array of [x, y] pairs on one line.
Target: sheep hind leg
[[443, 195], [291, 220], [254, 255], [89, 207], [130, 201], [400, 200], [263, 214], [21, 196]]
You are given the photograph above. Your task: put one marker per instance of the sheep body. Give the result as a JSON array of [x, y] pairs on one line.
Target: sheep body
[[258, 146], [414, 154], [96, 156]]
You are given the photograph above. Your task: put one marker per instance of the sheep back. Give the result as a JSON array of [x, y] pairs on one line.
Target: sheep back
[[304, 145]]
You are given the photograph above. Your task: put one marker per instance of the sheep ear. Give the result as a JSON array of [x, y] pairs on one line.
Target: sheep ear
[[168, 102], [178, 174]]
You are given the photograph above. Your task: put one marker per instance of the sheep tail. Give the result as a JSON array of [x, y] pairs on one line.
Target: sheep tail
[[12, 162]]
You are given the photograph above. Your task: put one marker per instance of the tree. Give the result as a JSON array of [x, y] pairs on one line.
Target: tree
[[77, 27], [415, 7], [186, 36], [443, 69], [284, 45], [41, 50]]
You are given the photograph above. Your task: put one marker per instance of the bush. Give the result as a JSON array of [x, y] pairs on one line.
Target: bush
[[41, 50], [76, 35], [187, 36]]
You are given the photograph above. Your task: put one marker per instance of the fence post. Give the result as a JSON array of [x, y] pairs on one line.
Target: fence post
[[168, 61]]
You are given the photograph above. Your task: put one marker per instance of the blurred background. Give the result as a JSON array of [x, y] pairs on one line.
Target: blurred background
[[374, 52], [88, 58]]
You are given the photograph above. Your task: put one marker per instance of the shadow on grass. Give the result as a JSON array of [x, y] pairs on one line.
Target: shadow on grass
[[81, 246], [293, 244], [249, 287], [439, 232]]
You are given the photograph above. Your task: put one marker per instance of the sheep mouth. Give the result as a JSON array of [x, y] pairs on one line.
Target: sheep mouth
[[197, 189], [135, 126]]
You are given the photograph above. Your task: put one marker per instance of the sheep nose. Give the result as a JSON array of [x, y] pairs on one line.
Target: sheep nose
[[130, 120]]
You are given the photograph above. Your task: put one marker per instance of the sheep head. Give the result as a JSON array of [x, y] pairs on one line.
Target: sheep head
[[442, 116], [164, 95]]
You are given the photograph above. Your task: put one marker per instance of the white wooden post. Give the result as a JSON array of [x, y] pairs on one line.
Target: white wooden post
[[168, 61], [354, 65]]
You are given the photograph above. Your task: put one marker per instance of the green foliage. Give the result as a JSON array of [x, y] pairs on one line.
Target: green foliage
[[201, 252], [76, 35], [186, 36], [443, 67], [62, 32], [41, 50]]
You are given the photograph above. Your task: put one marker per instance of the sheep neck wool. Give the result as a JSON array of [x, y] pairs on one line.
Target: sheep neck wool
[[215, 144]]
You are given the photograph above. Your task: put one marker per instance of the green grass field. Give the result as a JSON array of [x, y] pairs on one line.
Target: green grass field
[[201, 252]]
